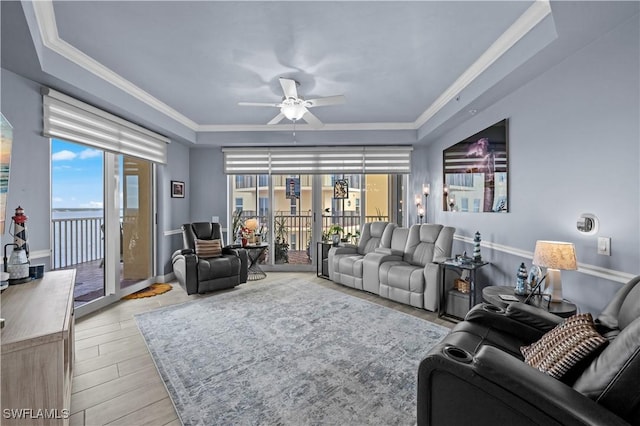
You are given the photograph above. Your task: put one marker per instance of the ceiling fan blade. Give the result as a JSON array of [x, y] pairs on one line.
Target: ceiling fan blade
[[312, 120], [289, 88], [329, 100], [266, 104], [278, 118]]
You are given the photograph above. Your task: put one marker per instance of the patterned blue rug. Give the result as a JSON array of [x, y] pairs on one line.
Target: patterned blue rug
[[289, 352]]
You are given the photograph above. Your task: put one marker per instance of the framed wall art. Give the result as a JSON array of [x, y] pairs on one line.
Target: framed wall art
[[177, 189], [341, 189], [6, 141], [293, 188], [476, 172]]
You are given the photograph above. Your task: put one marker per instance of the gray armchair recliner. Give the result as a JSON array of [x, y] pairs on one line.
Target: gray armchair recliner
[[200, 275]]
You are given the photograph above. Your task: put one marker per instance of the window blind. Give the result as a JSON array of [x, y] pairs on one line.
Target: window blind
[[75, 121], [318, 160]]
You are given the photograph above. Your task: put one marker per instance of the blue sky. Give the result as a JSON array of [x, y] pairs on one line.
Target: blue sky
[[76, 176]]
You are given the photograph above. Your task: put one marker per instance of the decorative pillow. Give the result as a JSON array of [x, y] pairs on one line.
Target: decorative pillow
[[563, 347], [208, 248]]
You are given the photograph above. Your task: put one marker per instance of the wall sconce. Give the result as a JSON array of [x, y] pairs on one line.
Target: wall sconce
[[418, 201], [452, 203], [587, 223], [426, 189]]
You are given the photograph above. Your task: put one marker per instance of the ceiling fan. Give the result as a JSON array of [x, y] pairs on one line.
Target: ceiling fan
[[295, 107]]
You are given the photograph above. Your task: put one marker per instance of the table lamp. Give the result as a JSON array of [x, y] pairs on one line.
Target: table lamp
[[555, 255], [251, 225]]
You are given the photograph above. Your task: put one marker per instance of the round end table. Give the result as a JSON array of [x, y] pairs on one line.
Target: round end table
[[491, 294]]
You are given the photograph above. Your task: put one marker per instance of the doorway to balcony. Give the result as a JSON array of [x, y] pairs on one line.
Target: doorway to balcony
[[294, 212], [108, 240]]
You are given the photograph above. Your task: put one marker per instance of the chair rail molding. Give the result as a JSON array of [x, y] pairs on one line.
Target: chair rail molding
[[585, 268]]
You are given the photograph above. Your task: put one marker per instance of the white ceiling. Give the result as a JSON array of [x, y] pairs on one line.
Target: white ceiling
[[402, 66]]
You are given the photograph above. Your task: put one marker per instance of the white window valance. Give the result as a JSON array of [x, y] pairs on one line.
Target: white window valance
[[318, 160], [75, 121]]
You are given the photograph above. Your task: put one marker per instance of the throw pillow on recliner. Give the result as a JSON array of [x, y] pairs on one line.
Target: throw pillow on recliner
[[564, 346], [208, 248]]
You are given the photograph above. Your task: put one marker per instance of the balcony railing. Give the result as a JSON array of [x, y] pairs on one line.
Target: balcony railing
[[296, 230], [77, 240], [80, 240]]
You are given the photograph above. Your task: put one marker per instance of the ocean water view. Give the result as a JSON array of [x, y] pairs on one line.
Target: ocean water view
[[76, 213]]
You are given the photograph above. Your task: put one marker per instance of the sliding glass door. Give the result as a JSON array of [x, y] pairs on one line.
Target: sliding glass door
[[136, 243], [295, 211], [78, 216], [102, 210]]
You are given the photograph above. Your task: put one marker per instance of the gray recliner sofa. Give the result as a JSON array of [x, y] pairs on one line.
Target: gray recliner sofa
[[414, 279], [372, 261], [346, 260]]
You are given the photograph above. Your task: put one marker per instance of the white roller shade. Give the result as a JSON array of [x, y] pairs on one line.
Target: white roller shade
[[316, 160], [75, 121]]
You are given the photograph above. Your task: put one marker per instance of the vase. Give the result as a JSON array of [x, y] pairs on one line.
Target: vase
[[244, 242]]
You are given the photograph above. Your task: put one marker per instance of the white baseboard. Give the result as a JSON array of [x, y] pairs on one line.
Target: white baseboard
[[166, 278], [585, 268]]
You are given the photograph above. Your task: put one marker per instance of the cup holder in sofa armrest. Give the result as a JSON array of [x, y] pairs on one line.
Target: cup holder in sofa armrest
[[457, 354], [493, 308]]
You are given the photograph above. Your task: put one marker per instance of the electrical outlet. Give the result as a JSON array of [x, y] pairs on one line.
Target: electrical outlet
[[215, 219], [604, 246]]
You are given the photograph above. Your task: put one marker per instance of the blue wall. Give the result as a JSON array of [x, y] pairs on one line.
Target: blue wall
[[29, 184], [573, 148]]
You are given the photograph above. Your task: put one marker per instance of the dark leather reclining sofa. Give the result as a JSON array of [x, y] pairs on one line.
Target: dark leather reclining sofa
[[477, 374]]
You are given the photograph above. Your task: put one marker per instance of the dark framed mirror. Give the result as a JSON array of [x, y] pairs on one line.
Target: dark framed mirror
[[476, 172]]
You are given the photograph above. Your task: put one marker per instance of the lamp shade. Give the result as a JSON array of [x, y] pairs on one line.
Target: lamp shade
[[251, 224], [555, 255]]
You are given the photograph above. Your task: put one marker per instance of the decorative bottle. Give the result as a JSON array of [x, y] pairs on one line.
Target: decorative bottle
[[521, 281]]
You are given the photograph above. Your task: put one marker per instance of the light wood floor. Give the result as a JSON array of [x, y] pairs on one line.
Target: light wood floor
[[115, 380]]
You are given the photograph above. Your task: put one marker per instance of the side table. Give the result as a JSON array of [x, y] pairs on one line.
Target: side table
[[491, 294], [452, 264], [254, 252], [322, 259]]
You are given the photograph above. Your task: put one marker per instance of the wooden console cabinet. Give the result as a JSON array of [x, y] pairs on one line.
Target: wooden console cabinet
[[37, 350]]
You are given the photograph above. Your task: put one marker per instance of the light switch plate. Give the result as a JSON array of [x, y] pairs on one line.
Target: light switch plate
[[604, 246], [215, 219]]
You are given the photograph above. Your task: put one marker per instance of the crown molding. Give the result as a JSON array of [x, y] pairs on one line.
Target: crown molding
[[45, 18], [302, 127], [521, 27]]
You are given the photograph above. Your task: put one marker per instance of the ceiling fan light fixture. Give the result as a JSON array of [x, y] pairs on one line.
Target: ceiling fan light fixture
[[293, 111]]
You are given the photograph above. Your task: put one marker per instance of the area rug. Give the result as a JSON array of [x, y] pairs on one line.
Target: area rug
[[152, 290], [289, 352]]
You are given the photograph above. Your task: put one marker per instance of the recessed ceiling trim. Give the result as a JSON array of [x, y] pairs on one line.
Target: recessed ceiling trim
[[46, 19], [521, 27], [302, 127]]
